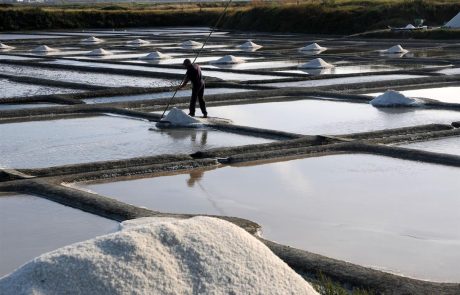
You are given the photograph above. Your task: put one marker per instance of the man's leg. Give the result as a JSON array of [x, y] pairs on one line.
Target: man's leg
[[202, 102], [193, 102]]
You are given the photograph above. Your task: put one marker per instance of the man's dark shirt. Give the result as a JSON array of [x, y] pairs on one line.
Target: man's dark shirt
[[194, 75]]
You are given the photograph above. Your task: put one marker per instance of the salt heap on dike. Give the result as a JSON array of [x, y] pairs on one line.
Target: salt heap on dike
[[92, 40], [99, 52], [44, 48], [410, 27], [317, 63], [5, 47], [249, 45], [393, 98], [138, 42], [177, 117], [313, 47], [396, 49], [191, 43], [160, 256], [156, 55], [229, 59]]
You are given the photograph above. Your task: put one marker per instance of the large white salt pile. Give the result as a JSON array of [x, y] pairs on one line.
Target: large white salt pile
[[249, 45], [177, 117], [396, 49], [191, 43], [99, 52], [201, 255], [317, 63], [313, 47], [229, 59], [393, 98], [5, 47], [44, 48], [92, 40], [138, 42], [155, 55]]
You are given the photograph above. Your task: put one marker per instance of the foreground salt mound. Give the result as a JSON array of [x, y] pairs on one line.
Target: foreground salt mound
[[191, 43], [313, 47], [393, 98], [44, 48], [395, 49], [249, 45], [99, 52], [317, 63], [138, 42], [156, 55], [201, 255], [229, 59], [92, 39], [5, 47], [177, 117]]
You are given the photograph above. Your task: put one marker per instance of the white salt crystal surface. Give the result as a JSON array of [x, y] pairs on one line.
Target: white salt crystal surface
[[201, 255], [178, 117]]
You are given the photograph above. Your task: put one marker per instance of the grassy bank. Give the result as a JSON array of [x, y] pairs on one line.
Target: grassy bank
[[312, 16]]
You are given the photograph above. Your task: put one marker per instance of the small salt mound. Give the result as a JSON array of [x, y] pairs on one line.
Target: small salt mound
[[317, 63], [177, 117], [396, 49], [92, 39], [313, 47], [229, 59], [138, 42], [44, 48], [409, 27], [174, 256], [5, 47], [393, 98], [156, 55], [249, 45], [191, 43], [99, 52]]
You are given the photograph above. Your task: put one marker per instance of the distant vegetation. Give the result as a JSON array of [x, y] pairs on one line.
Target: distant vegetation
[[307, 16]]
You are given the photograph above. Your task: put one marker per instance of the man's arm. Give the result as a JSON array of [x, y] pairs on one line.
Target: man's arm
[[186, 80]]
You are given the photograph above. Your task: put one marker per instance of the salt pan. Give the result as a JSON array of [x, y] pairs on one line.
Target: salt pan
[[229, 59], [393, 98], [313, 47], [44, 48], [249, 45], [395, 49], [92, 40], [201, 255], [99, 52], [317, 63], [191, 43], [155, 55], [138, 42]]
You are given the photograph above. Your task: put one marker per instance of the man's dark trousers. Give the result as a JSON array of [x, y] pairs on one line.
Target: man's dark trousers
[[197, 93]]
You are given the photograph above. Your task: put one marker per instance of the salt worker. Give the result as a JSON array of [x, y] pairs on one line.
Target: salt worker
[[193, 75]]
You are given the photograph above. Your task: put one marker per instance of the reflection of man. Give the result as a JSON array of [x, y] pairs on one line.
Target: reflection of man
[[194, 75], [195, 176]]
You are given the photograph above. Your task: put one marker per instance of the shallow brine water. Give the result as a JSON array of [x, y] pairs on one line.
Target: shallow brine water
[[82, 140], [328, 117], [31, 226], [444, 94], [340, 70], [180, 93], [5, 107], [445, 145], [14, 89], [378, 212], [100, 79]]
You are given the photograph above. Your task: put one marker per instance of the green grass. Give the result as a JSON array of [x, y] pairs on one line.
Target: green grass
[[325, 286]]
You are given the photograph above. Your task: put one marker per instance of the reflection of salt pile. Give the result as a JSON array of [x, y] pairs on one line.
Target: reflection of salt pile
[[191, 43], [99, 52], [229, 59], [317, 63], [157, 256], [5, 47], [156, 55], [138, 42], [395, 49], [44, 48], [313, 47], [92, 40], [393, 98], [177, 117], [249, 45]]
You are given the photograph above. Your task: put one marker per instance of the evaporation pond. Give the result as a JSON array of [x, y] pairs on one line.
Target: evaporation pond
[[70, 141], [15, 106], [328, 117], [31, 226], [15, 89], [444, 94], [449, 145], [102, 79], [369, 210]]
